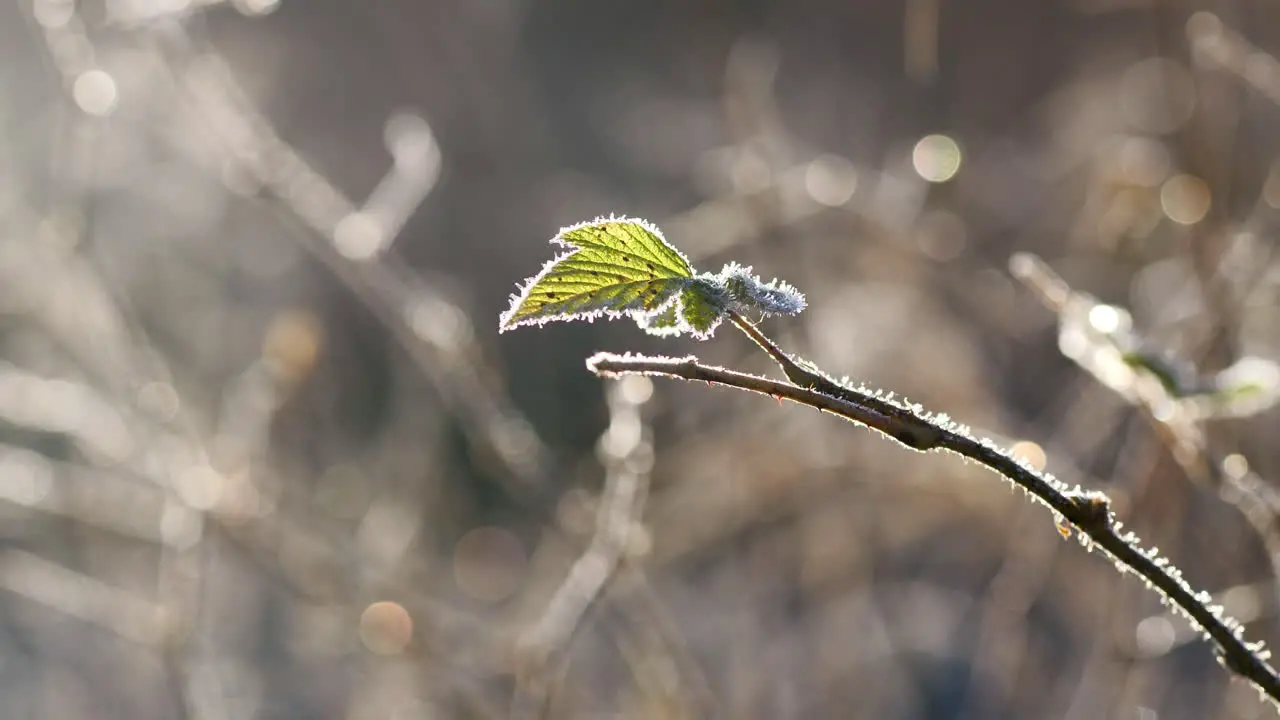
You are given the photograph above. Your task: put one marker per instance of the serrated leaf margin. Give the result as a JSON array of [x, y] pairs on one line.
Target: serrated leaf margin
[[506, 321]]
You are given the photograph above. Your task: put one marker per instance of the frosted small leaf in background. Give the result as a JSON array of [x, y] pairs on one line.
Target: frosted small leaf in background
[[1248, 387]]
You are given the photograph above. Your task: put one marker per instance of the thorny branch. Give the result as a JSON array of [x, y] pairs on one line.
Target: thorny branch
[[1087, 511]]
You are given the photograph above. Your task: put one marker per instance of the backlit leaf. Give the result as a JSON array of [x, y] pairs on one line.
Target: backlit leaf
[[623, 267], [698, 311], [618, 267]]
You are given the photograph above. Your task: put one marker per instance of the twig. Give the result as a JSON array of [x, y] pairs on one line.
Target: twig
[[626, 485], [883, 415], [430, 327], [1089, 512], [635, 597]]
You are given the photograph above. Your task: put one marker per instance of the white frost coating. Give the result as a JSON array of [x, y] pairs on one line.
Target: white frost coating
[[748, 293], [673, 318]]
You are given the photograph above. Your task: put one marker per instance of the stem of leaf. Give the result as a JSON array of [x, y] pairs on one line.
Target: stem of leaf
[[887, 417], [796, 374]]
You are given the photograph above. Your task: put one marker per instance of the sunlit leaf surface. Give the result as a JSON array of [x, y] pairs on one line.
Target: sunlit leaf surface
[[618, 267]]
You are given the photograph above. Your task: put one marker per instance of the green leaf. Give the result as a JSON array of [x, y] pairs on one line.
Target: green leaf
[[666, 322], [701, 309], [618, 267], [623, 267], [698, 311], [1174, 374], [1248, 387]]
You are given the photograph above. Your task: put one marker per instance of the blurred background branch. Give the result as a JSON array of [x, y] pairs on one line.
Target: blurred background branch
[[263, 453]]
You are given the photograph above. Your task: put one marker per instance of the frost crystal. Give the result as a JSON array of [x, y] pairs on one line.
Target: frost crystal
[[747, 293]]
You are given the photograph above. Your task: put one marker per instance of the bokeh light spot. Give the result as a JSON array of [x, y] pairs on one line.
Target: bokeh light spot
[[255, 7], [292, 344], [95, 92], [438, 323], [1106, 319], [1031, 452], [1185, 199], [1155, 636], [1235, 465], [413, 147], [386, 628], [358, 236], [635, 389], [830, 180], [936, 158]]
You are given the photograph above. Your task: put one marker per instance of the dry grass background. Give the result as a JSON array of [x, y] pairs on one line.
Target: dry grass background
[[264, 455]]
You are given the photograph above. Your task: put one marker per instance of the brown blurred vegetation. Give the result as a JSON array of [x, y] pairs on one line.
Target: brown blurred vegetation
[[263, 453]]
